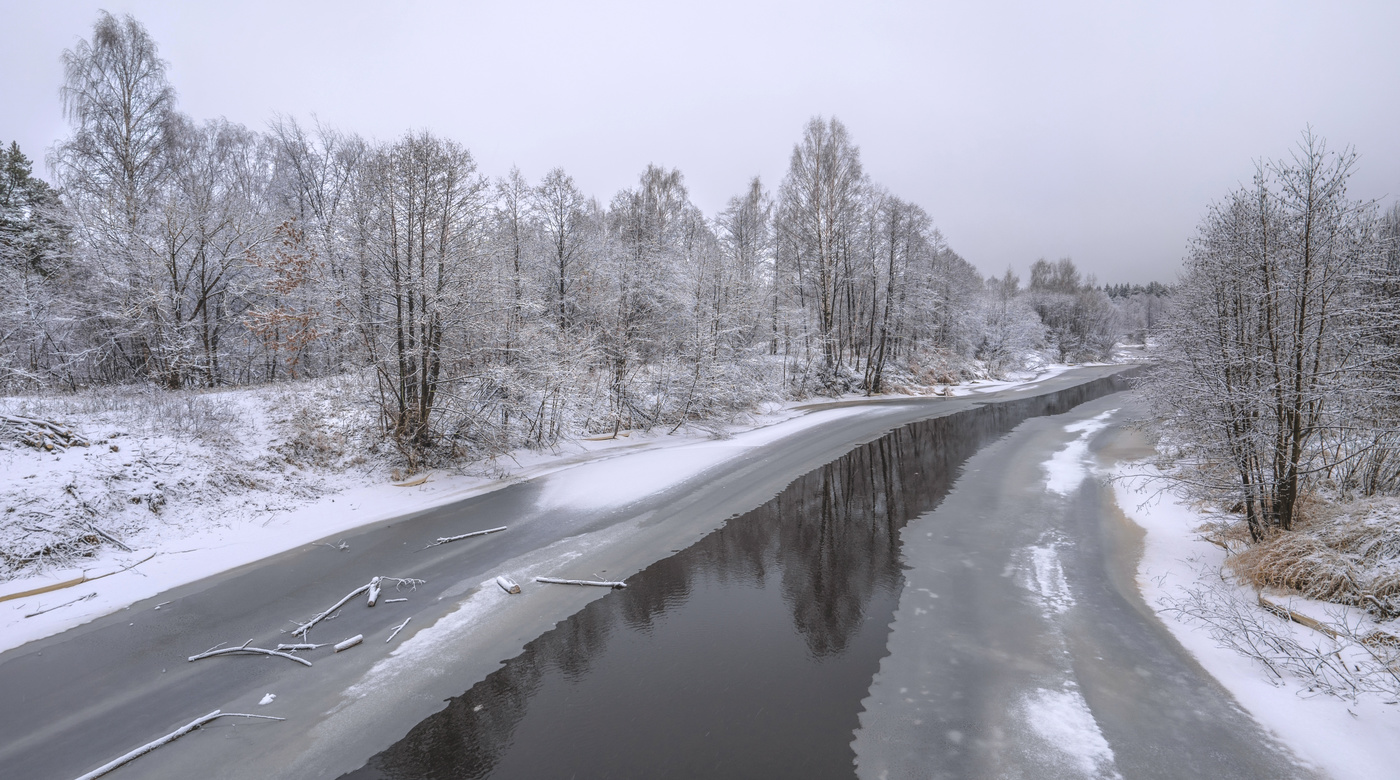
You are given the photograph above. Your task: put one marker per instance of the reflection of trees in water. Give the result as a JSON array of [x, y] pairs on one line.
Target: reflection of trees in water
[[468, 738], [831, 537]]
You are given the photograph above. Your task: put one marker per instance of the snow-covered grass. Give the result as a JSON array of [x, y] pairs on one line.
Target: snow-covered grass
[[1345, 553], [1277, 669]]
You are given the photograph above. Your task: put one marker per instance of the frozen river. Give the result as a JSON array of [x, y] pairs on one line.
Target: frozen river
[[935, 591]]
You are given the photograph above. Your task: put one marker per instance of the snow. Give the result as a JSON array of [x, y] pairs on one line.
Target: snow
[[1068, 467], [1063, 720], [1046, 579], [267, 699], [1013, 379], [1346, 739]]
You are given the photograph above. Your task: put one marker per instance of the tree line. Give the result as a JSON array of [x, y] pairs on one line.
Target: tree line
[[1280, 373], [484, 314]]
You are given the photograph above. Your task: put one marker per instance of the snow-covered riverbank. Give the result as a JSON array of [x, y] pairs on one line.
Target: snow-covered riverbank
[[1356, 736], [225, 487]]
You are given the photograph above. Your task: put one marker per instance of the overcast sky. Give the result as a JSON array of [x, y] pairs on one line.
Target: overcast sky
[[1099, 131]]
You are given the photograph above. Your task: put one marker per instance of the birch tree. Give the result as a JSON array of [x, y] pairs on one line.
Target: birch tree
[[112, 169]]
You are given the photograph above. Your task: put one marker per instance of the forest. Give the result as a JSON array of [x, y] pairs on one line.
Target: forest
[[478, 314]]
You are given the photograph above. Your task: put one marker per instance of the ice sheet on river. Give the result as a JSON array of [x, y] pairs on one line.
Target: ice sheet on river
[[979, 681]]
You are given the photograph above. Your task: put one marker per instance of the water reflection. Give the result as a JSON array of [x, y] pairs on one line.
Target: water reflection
[[745, 655]]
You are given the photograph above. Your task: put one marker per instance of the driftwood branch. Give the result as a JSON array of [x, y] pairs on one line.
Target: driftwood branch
[[349, 643], [397, 629], [599, 583], [446, 539], [372, 587], [246, 649], [60, 606], [304, 627], [171, 737], [299, 646]]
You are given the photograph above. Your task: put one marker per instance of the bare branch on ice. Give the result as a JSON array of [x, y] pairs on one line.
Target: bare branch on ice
[[60, 606], [304, 627], [397, 629], [446, 539], [171, 737], [246, 649]]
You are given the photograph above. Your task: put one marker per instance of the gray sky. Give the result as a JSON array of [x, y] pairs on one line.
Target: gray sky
[[1100, 131]]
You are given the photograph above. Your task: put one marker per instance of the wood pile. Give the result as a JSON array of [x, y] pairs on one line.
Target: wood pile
[[40, 434]]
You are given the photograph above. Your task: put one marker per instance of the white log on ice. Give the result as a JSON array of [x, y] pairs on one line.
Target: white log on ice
[[300, 646], [171, 737], [507, 584], [349, 643], [599, 583], [446, 539], [374, 590]]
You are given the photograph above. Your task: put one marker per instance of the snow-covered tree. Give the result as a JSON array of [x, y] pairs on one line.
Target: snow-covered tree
[[1270, 362]]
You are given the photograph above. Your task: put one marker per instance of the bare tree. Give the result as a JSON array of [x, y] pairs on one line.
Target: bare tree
[[427, 226], [1273, 346], [820, 208], [561, 211]]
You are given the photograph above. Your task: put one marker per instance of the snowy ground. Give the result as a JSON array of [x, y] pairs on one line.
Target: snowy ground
[[198, 484], [1356, 736]]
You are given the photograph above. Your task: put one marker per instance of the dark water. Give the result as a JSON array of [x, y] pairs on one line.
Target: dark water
[[745, 655]]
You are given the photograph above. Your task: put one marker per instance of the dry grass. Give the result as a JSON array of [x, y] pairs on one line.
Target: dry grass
[[1346, 554]]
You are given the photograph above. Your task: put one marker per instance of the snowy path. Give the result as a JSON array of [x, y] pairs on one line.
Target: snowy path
[[1022, 649]]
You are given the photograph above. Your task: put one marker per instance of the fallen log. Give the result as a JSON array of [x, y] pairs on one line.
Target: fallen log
[[373, 591], [507, 584], [414, 482], [78, 580], [599, 583], [1302, 620], [171, 737], [75, 581], [446, 539], [349, 643], [246, 649]]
